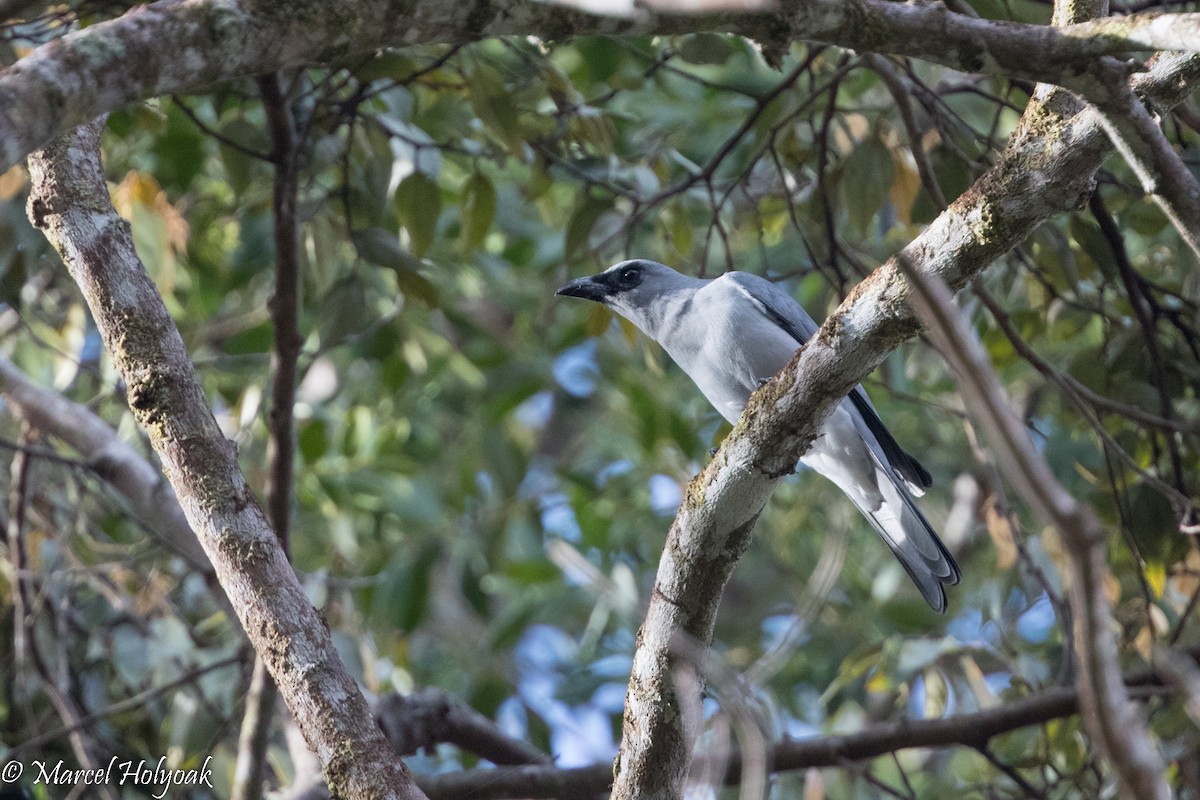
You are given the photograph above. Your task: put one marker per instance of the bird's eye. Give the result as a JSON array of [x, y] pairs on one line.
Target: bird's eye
[[630, 274]]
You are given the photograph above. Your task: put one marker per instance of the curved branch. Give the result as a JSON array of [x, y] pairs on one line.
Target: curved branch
[[1109, 718], [179, 46], [1137, 136]]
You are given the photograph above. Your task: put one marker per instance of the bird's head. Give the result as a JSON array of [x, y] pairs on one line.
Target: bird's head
[[631, 288]]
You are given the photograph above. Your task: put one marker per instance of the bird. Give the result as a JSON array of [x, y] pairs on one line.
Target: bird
[[731, 334]]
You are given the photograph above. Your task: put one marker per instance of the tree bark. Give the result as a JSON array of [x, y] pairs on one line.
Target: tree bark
[[180, 46], [69, 201]]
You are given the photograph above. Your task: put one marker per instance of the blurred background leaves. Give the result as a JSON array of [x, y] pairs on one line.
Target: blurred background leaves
[[487, 473]]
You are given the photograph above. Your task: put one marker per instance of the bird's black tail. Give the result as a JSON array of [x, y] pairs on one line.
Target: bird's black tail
[[901, 524]]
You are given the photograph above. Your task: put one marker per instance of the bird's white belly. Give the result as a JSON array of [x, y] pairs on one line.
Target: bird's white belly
[[841, 455], [727, 376]]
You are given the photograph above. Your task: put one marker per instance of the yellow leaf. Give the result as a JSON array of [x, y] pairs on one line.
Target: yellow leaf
[[142, 188], [139, 188], [12, 182], [1144, 642], [1000, 529], [1156, 576], [906, 184], [1087, 474], [814, 787], [1112, 588], [597, 321], [975, 679], [1185, 581], [936, 693], [853, 129]]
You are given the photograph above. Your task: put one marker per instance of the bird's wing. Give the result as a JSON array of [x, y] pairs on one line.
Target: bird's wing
[[776, 304], [915, 476], [782, 309]]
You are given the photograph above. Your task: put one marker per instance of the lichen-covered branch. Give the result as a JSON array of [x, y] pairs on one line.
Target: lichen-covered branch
[[180, 46], [1046, 169], [69, 201]]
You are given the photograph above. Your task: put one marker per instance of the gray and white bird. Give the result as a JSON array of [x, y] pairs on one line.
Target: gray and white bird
[[731, 333]]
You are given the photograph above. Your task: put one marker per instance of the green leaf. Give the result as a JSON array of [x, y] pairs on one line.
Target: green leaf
[[313, 440], [418, 204], [250, 341], [678, 228], [1145, 218], [1092, 241], [402, 598], [493, 104], [389, 64], [579, 227], [241, 168], [176, 152], [705, 48], [470, 583], [381, 248], [478, 209], [866, 181]]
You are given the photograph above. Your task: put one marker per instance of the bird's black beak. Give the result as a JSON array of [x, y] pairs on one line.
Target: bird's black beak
[[587, 288]]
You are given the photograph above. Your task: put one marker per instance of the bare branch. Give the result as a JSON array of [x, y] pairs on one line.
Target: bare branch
[[27, 648], [425, 718], [70, 203], [132, 703], [1109, 717], [1141, 142], [284, 306], [142, 485], [973, 730]]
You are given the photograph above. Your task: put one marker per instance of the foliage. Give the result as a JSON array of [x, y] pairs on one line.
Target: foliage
[[486, 474]]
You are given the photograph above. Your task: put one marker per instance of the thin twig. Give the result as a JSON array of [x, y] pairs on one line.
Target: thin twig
[[136, 701], [249, 780]]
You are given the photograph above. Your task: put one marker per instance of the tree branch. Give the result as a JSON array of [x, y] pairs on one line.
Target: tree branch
[[284, 306], [428, 717], [149, 495], [1110, 719], [27, 649], [425, 719], [179, 46], [70, 202], [973, 730], [1141, 142], [1047, 168]]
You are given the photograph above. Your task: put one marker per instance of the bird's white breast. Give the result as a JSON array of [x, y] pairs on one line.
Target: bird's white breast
[[727, 346]]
